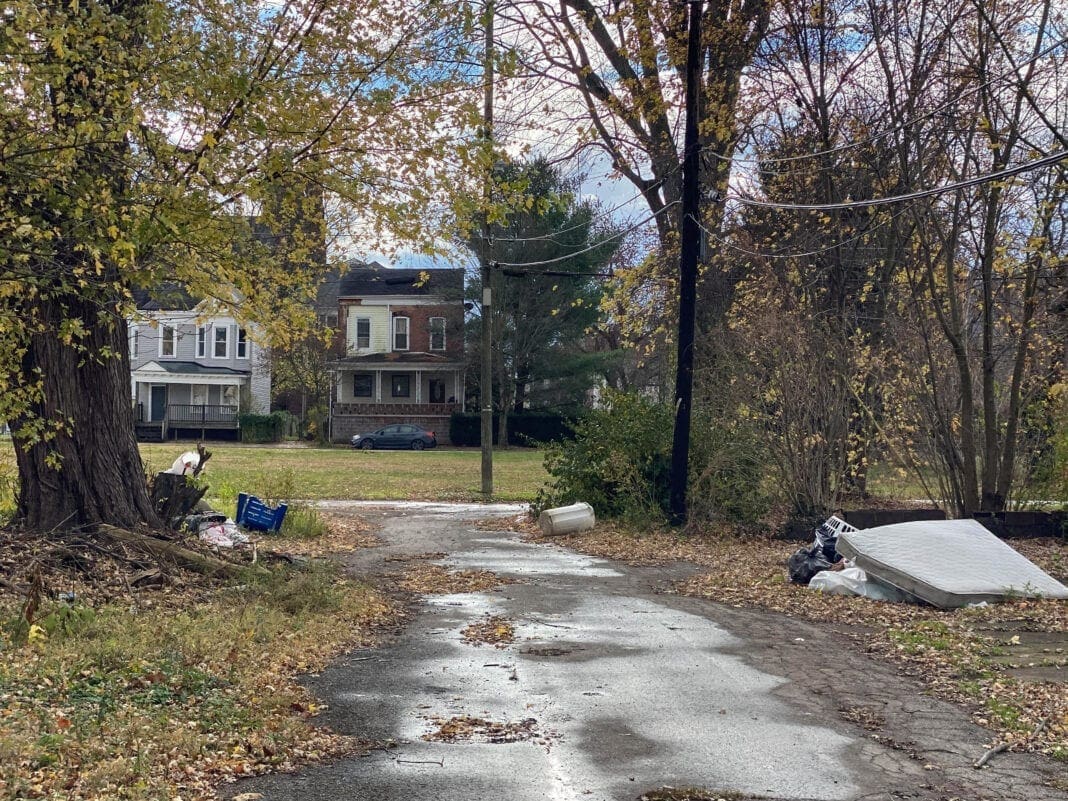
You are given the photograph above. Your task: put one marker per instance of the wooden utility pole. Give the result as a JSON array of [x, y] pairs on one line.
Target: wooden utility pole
[[689, 252], [485, 392]]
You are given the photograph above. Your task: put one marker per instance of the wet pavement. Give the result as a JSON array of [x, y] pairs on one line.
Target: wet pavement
[[620, 689]]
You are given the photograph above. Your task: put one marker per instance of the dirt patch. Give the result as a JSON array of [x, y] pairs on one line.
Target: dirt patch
[[439, 580], [494, 630], [345, 533], [467, 729]]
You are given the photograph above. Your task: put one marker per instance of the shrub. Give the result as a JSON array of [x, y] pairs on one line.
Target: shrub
[[524, 428], [620, 463], [264, 427]]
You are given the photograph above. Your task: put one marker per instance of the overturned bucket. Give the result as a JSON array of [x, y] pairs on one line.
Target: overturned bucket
[[566, 519]]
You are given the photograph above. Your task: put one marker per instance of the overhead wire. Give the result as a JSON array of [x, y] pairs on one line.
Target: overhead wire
[[1045, 161], [899, 127]]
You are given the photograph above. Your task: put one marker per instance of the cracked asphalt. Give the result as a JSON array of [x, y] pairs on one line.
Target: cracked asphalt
[[629, 689]]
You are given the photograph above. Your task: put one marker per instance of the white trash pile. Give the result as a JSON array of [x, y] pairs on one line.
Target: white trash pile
[[945, 563]]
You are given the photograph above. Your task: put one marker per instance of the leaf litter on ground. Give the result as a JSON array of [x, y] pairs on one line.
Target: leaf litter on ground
[[166, 692]]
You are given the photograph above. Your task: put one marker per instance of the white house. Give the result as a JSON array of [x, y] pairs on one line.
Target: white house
[[191, 373]]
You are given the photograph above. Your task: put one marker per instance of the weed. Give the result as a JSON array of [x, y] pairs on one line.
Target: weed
[[303, 522]]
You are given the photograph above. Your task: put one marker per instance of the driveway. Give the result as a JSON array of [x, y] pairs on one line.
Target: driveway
[[612, 689]]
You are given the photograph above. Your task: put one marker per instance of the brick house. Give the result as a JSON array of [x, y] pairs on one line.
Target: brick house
[[402, 334]]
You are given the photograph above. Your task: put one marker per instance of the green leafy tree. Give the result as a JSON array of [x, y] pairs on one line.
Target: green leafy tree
[[543, 312], [137, 137]]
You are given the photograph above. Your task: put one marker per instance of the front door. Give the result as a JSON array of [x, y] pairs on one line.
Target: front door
[[437, 390], [159, 402]]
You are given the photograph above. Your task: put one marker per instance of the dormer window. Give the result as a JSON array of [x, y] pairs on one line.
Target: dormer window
[[400, 333], [202, 341], [437, 333]]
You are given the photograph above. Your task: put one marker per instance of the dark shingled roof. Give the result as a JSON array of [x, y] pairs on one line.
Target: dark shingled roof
[[399, 358], [186, 368], [362, 280], [165, 297]]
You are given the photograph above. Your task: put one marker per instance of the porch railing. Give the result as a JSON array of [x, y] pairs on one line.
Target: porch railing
[[197, 414]]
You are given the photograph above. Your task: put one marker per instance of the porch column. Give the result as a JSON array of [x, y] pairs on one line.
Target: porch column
[[378, 385], [418, 386]]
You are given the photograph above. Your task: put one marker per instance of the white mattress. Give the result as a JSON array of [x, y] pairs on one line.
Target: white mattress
[[947, 563]]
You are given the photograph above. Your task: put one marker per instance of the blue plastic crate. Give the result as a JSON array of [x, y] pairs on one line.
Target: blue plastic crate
[[255, 514]]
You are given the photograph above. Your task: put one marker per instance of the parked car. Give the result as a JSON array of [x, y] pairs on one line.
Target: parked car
[[401, 435]]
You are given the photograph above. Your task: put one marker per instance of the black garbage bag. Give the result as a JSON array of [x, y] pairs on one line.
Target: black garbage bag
[[827, 542], [804, 563]]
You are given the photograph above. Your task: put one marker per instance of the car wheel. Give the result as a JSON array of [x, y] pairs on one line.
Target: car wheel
[[417, 445], [368, 445]]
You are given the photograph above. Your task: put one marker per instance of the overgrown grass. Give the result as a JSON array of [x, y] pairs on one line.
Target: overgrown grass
[[162, 700]]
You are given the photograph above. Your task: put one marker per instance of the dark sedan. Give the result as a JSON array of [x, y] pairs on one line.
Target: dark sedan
[[401, 435]]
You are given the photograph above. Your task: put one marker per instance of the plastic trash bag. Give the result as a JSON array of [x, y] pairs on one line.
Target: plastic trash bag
[[854, 581], [222, 535], [804, 563], [185, 464]]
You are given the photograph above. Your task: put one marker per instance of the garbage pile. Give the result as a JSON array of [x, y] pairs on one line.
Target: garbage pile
[[945, 563]]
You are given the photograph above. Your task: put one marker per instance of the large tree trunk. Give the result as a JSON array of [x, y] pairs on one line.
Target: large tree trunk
[[99, 477]]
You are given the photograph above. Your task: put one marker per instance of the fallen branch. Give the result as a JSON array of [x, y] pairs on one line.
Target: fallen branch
[[997, 749], [162, 549]]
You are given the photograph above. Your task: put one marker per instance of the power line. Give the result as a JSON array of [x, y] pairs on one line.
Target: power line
[[601, 243], [799, 255], [1045, 161], [900, 126]]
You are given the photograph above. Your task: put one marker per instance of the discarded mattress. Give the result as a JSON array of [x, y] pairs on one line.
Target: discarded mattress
[[947, 563]]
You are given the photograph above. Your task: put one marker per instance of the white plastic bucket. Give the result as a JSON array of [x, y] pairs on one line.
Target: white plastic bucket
[[566, 519]]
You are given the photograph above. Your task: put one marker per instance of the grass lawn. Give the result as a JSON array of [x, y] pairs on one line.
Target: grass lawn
[[346, 474], [286, 472]]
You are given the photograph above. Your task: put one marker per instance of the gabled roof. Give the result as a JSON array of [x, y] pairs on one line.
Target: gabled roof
[[165, 297], [363, 280]]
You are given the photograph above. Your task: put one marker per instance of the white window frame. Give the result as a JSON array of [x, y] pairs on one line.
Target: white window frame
[[164, 328], [202, 341], [215, 329], [407, 332], [356, 333], [431, 333], [242, 349], [134, 332]]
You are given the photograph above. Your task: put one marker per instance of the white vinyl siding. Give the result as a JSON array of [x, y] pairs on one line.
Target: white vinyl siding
[[379, 329]]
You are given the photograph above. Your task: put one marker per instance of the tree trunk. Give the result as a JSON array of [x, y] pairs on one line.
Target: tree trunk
[[99, 477]]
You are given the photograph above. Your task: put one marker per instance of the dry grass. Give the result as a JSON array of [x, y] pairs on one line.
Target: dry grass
[[164, 693]]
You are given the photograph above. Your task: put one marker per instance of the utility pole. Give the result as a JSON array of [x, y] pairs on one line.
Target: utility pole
[[689, 251], [485, 392]]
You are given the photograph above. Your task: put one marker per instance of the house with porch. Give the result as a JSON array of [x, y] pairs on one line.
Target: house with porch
[[192, 374], [403, 345]]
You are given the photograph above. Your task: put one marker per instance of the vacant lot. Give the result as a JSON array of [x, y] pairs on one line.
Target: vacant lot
[[286, 471], [345, 474]]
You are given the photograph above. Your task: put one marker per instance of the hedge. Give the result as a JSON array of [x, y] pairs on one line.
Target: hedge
[[524, 429], [263, 427]]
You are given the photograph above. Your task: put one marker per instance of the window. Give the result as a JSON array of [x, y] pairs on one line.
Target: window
[[202, 341], [133, 343], [363, 385], [242, 343], [328, 320], [402, 386], [437, 333], [363, 332], [400, 333], [168, 340], [221, 342], [437, 390]]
